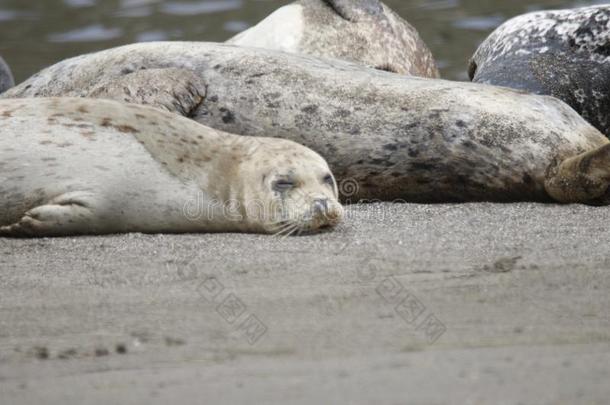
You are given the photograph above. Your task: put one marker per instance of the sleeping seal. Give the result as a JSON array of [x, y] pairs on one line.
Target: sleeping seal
[[563, 53], [79, 166], [364, 31], [387, 136]]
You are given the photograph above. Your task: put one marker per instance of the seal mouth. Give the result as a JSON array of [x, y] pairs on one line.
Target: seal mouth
[[289, 228], [310, 224]]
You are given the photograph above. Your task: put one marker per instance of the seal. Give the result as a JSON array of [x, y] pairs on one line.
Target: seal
[[384, 136], [562, 53], [364, 31], [6, 77], [79, 166]]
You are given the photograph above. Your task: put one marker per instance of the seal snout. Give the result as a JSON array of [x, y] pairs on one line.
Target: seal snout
[[320, 206], [332, 211], [326, 213]]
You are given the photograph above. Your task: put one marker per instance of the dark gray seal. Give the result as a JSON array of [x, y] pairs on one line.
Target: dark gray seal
[[564, 53], [364, 31], [386, 136], [6, 77]]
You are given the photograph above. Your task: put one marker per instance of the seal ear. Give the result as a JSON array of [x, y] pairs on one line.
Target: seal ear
[[6, 77], [581, 179], [179, 91], [353, 10]]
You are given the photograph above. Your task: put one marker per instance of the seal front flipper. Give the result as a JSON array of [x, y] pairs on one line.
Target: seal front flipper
[[69, 214], [582, 179], [180, 91], [6, 77], [354, 10]]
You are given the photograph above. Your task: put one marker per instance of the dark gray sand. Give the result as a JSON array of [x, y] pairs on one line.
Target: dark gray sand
[[403, 304]]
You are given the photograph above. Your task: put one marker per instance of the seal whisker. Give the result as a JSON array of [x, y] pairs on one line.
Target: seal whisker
[[284, 229], [290, 231]]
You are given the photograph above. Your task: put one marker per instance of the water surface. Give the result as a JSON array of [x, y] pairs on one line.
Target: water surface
[[37, 33]]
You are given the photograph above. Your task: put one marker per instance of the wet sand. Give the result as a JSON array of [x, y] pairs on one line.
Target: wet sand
[[403, 304]]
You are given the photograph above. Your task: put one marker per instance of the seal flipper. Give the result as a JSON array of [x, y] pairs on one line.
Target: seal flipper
[[582, 179], [353, 10], [179, 91], [6, 77], [69, 214], [472, 69]]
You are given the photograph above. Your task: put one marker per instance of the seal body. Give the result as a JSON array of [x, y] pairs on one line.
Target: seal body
[[563, 53], [386, 136], [6, 77], [77, 166], [364, 31]]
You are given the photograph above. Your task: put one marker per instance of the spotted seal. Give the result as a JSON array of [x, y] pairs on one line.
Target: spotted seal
[[387, 136], [79, 166], [6, 77], [365, 31], [562, 53]]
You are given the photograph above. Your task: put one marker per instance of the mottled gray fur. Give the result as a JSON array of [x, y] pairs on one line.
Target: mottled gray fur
[[397, 137], [564, 53]]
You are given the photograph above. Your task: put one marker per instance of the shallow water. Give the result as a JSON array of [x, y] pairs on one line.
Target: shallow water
[[37, 33]]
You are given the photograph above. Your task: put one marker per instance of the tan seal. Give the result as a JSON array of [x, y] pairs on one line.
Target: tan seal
[[364, 31], [79, 166]]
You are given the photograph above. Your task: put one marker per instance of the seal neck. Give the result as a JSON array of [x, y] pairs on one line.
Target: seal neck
[[231, 186]]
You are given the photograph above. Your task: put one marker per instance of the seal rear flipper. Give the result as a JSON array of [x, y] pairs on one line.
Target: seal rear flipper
[[582, 179], [354, 10], [179, 91], [68, 214], [472, 69], [6, 77]]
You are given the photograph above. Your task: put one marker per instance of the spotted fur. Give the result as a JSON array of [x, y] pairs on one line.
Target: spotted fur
[[82, 166], [563, 53]]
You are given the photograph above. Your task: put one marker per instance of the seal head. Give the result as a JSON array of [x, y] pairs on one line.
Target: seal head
[[6, 77], [561, 53], [288, 189], [363, 31]]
